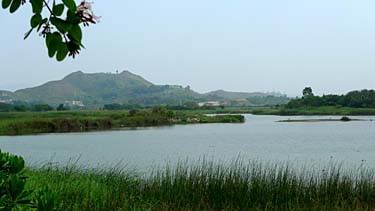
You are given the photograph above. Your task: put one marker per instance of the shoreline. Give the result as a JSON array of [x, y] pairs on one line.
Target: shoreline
[[321, 120], [45, 123]]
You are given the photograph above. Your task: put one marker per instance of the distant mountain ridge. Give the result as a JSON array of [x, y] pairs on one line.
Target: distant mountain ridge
[[98, 89]]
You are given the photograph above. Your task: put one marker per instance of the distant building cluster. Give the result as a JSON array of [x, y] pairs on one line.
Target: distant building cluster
[[74, 103], [6, 101], [211, 104], [4, 98]]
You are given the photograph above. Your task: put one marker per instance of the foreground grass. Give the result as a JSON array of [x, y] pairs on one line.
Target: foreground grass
[[23, 123], [209, 186]]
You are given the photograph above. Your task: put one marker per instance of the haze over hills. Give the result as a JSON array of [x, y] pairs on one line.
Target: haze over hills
[[98, 89]]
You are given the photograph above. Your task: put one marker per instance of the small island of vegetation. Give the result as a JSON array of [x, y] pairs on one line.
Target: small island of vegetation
[[342, 119], [23, 123]]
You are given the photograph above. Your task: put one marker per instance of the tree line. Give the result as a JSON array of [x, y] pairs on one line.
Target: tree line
[[4, 107], [355, 99]]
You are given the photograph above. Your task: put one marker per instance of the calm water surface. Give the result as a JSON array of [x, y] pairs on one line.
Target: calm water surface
[[260, 138]]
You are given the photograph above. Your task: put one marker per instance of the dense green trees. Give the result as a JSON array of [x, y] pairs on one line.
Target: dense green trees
[[117, 106], [355, 99], [307, 92], [4, 107], [42, 107], [61, 107]]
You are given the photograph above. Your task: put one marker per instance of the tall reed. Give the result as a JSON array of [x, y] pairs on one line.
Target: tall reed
[[211, 186]]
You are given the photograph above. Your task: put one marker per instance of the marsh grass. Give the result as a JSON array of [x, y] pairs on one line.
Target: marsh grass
[[210, 186], [25, 123]]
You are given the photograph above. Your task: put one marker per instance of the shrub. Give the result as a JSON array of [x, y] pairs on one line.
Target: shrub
[[13, 195], [345, 119], [133, 112]]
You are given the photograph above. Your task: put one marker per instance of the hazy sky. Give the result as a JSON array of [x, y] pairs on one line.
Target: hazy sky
[[236, 45]]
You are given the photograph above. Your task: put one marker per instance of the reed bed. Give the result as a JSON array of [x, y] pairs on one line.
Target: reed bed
[[209, 185]]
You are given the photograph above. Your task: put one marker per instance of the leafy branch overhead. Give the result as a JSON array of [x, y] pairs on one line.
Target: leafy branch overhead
[[61, 28]]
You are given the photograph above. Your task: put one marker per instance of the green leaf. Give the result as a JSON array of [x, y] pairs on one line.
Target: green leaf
[[16, 185], [58, 9], [16, 164], [37, 5], [76, 33], [62, 52], [72, 18], [71, 5], [52, 42], [5, 3], [52, 51], [15, 5], [36, 20], [49, 38], [61, 24]]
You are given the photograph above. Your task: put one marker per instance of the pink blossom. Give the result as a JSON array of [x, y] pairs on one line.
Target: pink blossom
[[84, 11]]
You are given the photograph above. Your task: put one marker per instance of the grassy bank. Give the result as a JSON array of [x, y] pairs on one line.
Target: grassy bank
[[225, 110], [343, 119], [283, 111], [327, 110], [22, 123], [209, 186]]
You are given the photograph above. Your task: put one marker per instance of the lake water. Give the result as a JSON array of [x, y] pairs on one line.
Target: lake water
[[260, 138]]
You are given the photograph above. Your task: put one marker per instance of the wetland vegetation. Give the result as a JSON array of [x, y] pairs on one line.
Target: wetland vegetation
[[351, 104], [342, 119], [22, 123], [205, 185], [209, 186]]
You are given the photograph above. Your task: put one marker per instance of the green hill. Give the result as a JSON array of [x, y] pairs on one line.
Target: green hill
[[97, 89]]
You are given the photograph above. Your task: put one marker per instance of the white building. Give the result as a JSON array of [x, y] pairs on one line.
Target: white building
[[211, 104], [74, 103]]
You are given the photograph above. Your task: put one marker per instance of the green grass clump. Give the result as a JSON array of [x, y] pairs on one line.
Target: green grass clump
[[210, 186]]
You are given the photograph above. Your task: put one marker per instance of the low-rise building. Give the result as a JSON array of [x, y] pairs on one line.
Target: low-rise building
[[211, 104], [6, 101], [74, 103]]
